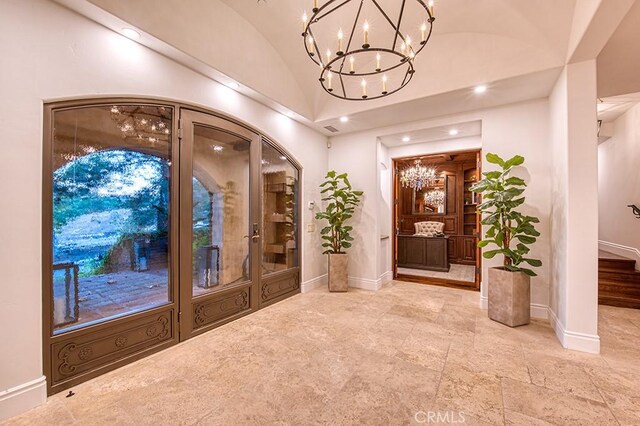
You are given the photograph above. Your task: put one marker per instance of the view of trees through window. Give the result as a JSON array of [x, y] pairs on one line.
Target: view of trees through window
[[110, 212], [112, 197]]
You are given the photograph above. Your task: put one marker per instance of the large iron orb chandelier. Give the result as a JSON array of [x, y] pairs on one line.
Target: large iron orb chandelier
[[366, 48]]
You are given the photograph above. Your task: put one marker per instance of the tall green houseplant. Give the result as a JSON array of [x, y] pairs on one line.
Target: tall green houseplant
[[510, 230], [342, 201]]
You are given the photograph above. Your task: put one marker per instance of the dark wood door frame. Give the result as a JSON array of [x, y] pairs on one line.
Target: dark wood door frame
[[395, 214]]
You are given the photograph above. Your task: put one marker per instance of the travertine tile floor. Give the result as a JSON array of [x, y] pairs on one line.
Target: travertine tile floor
[[370, 358], [456, 272]]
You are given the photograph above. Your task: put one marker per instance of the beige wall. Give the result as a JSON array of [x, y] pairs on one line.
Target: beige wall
[[62, 55], [574, 285], [515, 129], [619, 186]]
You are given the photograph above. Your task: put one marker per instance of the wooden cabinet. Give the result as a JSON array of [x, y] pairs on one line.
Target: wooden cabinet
[[469, 249], [460, 219], [423, 252]]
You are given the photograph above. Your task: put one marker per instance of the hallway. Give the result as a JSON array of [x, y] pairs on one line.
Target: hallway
[[387, 357]]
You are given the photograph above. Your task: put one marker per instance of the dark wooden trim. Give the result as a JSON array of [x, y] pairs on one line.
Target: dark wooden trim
[[477, 262], [465, 285]]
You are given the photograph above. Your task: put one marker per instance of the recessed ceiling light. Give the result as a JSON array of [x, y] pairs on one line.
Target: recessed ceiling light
[[453, 132], [480, 89], [406, 139], [217, 148], [344, 119], [233, 85], [130, 33]]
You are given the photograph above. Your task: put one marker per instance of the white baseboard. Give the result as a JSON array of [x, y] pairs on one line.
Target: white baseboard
[[573, 340], [387, 277], [537, 310], [24, 397], [316, 282], [620, 250], [484, 302], [355, 282], [365, 283]]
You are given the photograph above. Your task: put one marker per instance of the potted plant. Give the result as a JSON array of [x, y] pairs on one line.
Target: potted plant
[[512, 232], [342, 201]]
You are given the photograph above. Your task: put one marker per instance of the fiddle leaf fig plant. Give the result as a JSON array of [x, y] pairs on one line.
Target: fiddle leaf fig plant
[[342, 201], [510, 230]]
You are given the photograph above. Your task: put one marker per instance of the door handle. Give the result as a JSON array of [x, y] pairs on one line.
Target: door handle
[[256, 233]]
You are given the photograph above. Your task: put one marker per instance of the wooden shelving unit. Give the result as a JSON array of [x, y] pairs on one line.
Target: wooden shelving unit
[[470, 220], [279, 219]]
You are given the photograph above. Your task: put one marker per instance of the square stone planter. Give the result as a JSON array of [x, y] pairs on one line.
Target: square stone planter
[[338, 277], [509, 297]]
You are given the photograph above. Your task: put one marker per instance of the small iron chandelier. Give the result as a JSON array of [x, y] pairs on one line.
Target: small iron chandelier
[[366, 65], [418, 176]]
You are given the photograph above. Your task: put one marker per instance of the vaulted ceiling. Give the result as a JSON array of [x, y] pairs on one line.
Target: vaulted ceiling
[[517, 47]]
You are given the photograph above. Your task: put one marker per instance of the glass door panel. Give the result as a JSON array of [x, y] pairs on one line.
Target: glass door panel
[[219, 231], [280, 211], [220, 221], [110, 203]]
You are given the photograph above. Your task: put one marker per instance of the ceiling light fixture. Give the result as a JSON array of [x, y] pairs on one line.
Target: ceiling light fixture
[[344, 119], [480, 89], [418, 176], [453, 132], [406, 139], [365, 65], [130, 33], [435, 198]]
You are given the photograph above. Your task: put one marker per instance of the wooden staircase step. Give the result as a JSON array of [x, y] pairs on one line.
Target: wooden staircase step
[[621, 302], [618, 281], [619, 264]]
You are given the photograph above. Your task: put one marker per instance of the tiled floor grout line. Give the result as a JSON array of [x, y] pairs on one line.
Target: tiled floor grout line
[[444, 367], [584, 368], [504, 409]]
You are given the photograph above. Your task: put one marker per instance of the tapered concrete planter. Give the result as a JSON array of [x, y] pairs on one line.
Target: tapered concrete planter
[[338, 278], [509, 297]]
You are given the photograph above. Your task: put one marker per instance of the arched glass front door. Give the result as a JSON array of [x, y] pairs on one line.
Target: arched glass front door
[[160, 222]]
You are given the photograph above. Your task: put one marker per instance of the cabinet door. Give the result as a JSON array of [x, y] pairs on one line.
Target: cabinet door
[[436, 253], [453, 248], [469, 249], [415, 251], [402, 251]]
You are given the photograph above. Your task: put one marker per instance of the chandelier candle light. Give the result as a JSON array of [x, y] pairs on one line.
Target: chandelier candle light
[[418, 176], [387, 52]]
